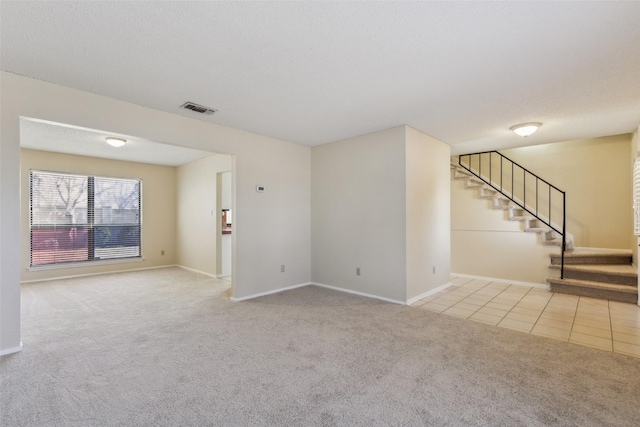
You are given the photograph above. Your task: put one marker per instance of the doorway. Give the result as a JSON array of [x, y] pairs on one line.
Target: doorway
[[226, 229]]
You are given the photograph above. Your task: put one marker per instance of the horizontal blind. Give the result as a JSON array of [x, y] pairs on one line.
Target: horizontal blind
[[75, 218], [636, 196]]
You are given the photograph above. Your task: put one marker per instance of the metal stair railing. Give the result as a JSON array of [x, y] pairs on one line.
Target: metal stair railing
[[482, 166]]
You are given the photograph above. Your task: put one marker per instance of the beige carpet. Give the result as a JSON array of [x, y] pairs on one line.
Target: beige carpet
[[166, 348]]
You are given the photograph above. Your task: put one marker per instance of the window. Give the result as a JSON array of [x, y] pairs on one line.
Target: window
[[78, 218]]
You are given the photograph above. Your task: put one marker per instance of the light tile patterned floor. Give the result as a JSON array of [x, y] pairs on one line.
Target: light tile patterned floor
[[603, 324]]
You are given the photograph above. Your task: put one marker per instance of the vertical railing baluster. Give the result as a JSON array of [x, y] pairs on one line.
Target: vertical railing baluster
[[501, 159], [564, 231], [490, 164], [512, 197], [524, 188], [537, 196], [549, 204]]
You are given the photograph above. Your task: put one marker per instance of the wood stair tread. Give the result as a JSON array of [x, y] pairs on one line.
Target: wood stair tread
[[614, 269], [594, 285], [582, 257], [579, 253]]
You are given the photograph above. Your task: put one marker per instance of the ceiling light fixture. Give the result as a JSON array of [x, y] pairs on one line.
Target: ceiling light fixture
[[115, 142], [526, 129]]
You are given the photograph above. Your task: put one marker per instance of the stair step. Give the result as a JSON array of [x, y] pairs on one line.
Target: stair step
[[461, 173], [491, 196], [554, 242], [487, 192], [591, 258], [613, 292], [473, 184], [538, 230], [521, 218], [618, 274]]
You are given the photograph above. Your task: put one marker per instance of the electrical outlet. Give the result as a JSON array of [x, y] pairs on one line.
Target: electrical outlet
[[282, 268], [357, 271], [162, 252]]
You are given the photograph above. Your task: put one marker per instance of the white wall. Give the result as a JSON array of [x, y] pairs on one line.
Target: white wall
[[197, 212], [9, 225], [380, 202], [358, 214], [272, 228], [428, 213]]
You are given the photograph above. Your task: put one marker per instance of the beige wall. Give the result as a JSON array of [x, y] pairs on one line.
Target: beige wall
[[197, 212], [596, 175], [272, 228], [358, 214], [428, 214], [158, 208], [484, 243]]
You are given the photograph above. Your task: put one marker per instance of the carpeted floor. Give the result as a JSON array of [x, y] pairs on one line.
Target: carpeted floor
[[166, 348]]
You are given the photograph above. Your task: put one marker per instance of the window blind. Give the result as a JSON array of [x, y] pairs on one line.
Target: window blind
[[76, 218], [636, 196]]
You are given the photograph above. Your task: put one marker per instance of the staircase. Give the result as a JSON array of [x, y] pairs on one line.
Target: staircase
[[592, 273], [584, 271], [514, 212]]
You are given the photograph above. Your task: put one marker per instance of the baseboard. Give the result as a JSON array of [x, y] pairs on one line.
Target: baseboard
[[428, 293], [193, 270], [362, 294], [511, 282], [96, 274], [322, 285], [11, 350], [262, 294]]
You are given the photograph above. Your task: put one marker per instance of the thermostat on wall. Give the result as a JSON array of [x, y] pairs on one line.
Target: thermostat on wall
[[259, 188]]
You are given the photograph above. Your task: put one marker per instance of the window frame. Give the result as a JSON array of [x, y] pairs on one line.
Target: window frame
[[90, 225]]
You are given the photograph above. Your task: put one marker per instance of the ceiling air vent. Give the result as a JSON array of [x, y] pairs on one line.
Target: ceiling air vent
[[198, 108]]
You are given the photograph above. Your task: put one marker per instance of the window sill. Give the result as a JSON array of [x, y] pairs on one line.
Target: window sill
[[85, 264]]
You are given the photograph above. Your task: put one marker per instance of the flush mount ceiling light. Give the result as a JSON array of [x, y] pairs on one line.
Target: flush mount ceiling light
[[525, 129], [115, 142]]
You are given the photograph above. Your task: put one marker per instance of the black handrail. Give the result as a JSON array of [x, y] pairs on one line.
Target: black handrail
[[523, 204]]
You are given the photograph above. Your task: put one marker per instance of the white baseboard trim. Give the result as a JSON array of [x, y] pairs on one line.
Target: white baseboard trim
[[96, 274], [362, 294], [262, 294], [511, 282], [322, 285], [193, 270], [428, 293], [11, 350]]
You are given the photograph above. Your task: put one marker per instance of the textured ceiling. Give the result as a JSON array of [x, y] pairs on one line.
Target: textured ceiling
[[315, 72], [47, 136]]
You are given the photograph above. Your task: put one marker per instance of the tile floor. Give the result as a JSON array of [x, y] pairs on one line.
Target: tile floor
[[603, 324]]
